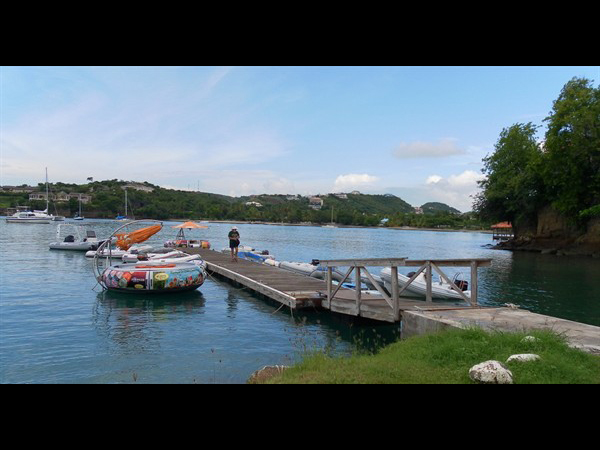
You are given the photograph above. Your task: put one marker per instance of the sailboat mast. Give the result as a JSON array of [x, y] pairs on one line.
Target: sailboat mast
[[47, 193], [125, 202]]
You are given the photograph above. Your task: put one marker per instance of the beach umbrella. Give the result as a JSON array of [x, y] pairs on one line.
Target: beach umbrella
[[189, 226]]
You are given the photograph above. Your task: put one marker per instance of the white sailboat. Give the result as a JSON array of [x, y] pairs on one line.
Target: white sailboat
[[79, 216], [124, 218], [34, 216]]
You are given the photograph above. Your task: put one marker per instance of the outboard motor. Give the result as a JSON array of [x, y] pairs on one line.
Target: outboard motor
[[315, 262], [463, 285]]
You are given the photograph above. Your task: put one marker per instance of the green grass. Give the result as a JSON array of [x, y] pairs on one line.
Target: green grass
[[446, 357]]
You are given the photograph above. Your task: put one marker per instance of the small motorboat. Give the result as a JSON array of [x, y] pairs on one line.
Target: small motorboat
[[439, 289], [117, 253], [181, 242], [79, 238], [251, 254], [187, 243], [163, 258], [153, 277]]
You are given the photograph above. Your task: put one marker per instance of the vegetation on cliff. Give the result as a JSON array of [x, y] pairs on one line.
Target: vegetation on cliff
[[524, 176]]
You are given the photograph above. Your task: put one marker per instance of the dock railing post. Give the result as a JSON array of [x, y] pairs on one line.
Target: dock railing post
[[329, 284], [474, 283], [358, 292], [429, 277], [395, 299]]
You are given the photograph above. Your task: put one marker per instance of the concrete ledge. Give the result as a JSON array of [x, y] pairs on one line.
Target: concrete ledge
[[578, 335]]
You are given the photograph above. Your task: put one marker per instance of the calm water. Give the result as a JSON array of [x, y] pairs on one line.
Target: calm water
[[56, 326]]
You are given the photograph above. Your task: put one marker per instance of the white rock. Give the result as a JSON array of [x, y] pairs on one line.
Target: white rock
[[523, 357], [491, 372]]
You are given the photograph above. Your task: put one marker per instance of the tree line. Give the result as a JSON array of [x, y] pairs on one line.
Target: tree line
[[524, 175], [357, 209]]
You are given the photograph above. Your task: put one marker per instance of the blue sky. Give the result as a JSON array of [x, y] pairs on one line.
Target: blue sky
[[417, 132]]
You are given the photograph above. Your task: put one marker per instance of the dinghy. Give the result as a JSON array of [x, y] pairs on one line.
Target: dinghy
[[163, 258], [149, 276], [77, 238], [153, 277]]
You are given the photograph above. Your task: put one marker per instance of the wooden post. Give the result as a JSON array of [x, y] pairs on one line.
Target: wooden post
[[329, 284], [358, 292], [395, 301], [428, 275], [473, 283]]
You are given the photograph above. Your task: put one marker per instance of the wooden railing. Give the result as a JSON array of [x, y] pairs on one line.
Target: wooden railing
[[359, 266]]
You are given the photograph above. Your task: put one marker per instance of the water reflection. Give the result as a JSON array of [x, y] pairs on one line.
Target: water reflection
[[130, 320]]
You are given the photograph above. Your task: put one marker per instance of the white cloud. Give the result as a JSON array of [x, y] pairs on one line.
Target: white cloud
[[353, 181], [455, 190], [422, 149]]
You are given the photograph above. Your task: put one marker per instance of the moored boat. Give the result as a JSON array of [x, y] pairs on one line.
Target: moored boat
[[29, 217], [168, 257], [153, 277], [439, 289], [81, 240], [149, 276]]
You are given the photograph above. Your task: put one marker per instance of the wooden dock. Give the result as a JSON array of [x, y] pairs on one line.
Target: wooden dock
[[300, 291], [416, 316]]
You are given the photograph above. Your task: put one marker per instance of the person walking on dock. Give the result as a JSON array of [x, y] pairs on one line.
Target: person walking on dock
[[234, 242]]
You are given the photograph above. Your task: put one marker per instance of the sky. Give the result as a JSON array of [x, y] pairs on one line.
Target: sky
[[419, 133]]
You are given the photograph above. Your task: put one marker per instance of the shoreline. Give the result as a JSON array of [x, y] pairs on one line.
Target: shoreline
[[303, 224]]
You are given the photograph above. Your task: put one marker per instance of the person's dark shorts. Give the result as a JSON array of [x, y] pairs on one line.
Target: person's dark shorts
[[234, 243]]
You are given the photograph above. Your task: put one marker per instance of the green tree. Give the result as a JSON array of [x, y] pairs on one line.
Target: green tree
[[512, 189], [571, 166]]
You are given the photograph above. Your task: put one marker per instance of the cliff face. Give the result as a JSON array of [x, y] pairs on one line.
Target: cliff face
[[555, 234]]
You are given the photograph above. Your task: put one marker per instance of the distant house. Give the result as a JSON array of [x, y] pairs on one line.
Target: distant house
[[60, 197], [341, 195], [257, 204], [315, 202], [18, 189], [502, 231], [418, 210], [138, 187]]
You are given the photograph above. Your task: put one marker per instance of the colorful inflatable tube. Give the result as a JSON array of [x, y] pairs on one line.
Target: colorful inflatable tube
[[153, 278]]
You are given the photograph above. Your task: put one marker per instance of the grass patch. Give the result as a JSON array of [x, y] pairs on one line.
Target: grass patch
[[446, 357]]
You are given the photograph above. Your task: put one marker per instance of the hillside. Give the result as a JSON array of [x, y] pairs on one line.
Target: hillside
[[153, 202], [435, 207]]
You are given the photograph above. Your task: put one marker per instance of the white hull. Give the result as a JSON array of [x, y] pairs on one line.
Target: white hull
[[171, 257], [27, 220], [116, 253], [77, 246], [419, 286]]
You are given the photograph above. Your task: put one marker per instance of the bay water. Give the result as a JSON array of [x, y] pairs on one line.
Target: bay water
[[58, 326]]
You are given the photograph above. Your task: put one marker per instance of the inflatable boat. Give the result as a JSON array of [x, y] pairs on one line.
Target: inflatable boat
[[149, 276], [153, 277], [439, 289]]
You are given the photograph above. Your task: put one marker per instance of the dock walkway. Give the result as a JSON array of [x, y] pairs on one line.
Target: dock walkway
[[300, 291], [417, 316]]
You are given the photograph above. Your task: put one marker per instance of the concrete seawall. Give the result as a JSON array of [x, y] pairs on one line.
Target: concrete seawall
[[579, 335]]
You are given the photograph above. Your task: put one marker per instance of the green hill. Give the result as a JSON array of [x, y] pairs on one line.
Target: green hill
[[435, 207], [146, 200]]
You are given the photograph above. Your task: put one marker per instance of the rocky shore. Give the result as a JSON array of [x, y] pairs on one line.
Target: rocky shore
[[552, 246]]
